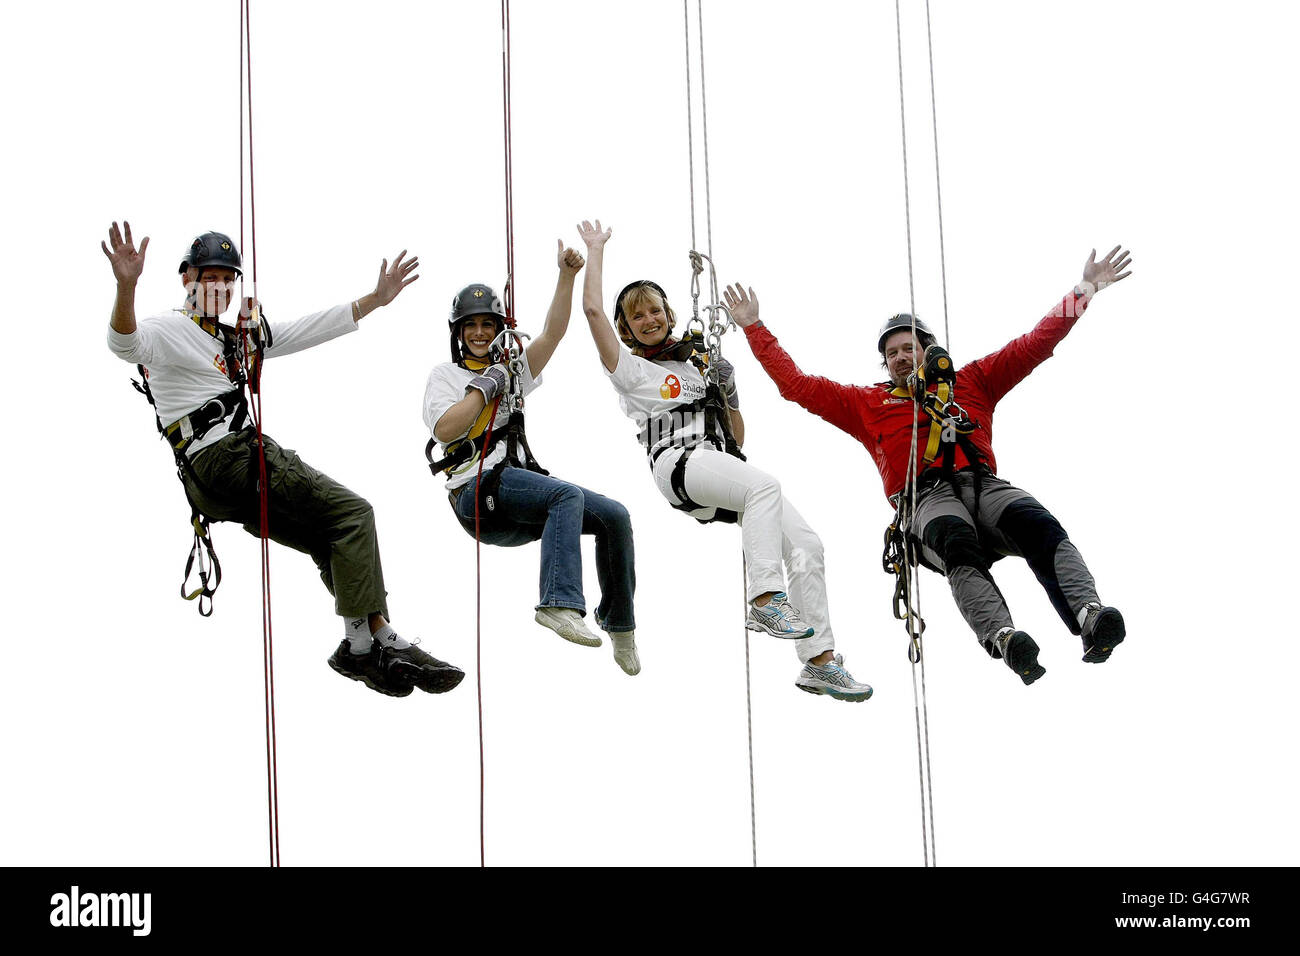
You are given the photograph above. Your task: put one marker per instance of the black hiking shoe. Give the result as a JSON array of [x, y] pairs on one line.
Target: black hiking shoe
[[1103, 628], [1020, 652], [423, 670], [374, 668]]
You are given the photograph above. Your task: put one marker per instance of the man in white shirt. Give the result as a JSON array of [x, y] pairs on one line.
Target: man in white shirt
[[196, 372]]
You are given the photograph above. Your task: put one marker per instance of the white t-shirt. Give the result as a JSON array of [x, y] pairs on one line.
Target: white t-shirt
[[648, 393], [186, 366], [446, 386]]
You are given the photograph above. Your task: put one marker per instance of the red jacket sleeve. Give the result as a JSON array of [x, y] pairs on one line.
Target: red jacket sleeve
[[841, 405], [998, 373]]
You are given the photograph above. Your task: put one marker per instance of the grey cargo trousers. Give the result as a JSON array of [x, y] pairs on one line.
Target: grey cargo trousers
[[961, 541]]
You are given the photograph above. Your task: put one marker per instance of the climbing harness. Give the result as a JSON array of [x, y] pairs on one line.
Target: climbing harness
[[231, 405], [481, 439]]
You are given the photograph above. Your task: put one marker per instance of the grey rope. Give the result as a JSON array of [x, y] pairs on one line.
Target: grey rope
[[915, 650], [938, 190], [690, 123], [704, 118], [716, 332], [749, 722]]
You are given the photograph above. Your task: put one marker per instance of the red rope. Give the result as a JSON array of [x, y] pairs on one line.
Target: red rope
[[254, 370], [509, 157], [478, 636]]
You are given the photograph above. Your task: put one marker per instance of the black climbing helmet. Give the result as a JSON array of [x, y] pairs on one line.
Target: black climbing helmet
[[212, 249], [476, 299], [900, 322], [620, 316]]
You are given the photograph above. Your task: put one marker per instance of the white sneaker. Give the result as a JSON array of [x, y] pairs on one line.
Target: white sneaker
[[779, 618], [833, 680], [567, 623], [625, 655]]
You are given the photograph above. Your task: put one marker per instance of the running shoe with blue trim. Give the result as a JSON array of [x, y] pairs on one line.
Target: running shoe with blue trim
[[833, 680], [779, 618]]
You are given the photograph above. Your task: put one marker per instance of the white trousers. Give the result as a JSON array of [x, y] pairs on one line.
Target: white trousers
[[773, 534]]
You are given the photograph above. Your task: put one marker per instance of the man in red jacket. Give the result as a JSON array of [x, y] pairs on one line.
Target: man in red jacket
[[965, 516]]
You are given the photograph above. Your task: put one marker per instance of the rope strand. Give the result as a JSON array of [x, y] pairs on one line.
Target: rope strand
[[912, 583], [938, 190], [713, 288], [252, 360]]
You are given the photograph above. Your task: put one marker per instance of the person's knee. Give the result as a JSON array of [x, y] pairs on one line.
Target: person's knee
[[956, 543], [618, 517], [766, 488], [1034, 530], [567, 496]]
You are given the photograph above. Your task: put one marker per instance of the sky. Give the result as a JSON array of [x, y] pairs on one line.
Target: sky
[[134, 729]]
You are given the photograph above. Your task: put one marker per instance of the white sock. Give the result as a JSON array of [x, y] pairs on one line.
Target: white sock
[[387, 637], [1083, 612], [357, 632]]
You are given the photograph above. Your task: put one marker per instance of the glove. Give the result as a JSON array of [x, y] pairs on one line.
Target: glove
[[726, 378], [491, 381]]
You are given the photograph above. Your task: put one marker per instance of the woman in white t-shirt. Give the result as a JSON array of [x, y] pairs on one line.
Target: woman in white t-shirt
[[692, 433], [517, 502]]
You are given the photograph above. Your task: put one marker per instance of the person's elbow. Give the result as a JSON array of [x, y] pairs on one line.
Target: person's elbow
[[443, 431]]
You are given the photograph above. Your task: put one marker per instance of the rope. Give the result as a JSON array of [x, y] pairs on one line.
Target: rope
[[704, 125], [253, 365], [510, 192], [749, 723], [914, 608], [510, 321], [938, 191], [690, 122], [713, 286], [478, 639]]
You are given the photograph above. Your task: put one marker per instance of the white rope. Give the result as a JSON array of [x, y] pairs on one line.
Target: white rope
[[938, 190], [713, 286], [909, 489]]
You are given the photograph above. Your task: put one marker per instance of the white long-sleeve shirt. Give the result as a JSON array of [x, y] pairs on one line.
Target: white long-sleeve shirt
[[186, 367]]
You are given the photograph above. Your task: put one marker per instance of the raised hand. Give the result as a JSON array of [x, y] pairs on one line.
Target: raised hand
[[394, 280], [1107, 272], [593, 236], [126, 261], [570, 261], [743, 306]]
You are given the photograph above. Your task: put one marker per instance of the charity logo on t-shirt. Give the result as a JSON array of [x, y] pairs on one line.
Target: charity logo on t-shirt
[[220, 363], [671, 388]]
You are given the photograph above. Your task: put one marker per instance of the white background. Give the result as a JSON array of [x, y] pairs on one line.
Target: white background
[[133, 730]]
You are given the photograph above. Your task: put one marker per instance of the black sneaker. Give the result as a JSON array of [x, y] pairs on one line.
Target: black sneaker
[[423, 670], [1103, 628], [1020, 652], [374, 668]]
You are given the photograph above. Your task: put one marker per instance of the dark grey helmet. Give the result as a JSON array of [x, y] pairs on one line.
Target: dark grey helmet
[[476, 299], [900, 322], [212, 249]]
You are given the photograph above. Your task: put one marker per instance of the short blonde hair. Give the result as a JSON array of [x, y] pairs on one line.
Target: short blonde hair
[[641, 294]]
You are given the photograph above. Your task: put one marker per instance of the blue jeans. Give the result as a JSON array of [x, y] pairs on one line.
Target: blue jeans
[[537, 506]]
